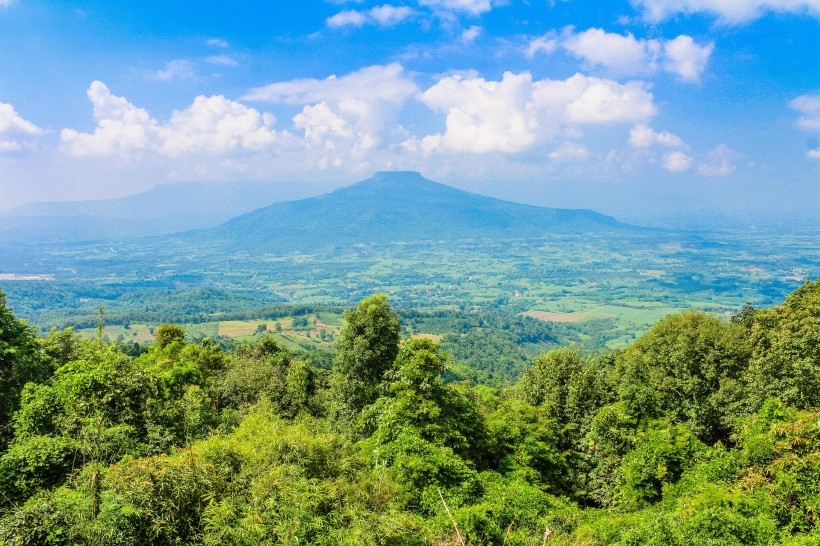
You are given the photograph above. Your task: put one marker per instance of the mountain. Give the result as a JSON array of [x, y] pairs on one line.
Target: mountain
[[395, 206], [164, 209]]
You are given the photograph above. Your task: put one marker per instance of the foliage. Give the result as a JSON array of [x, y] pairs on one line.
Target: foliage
[[689, 366], [365, 350], [786, 350], [20, 362], [669, 441]]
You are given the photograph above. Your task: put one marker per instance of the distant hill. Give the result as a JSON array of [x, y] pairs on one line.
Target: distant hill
[[396, 206], [164, 209]]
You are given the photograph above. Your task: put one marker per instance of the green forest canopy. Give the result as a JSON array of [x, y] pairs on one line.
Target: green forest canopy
[[702, 431]]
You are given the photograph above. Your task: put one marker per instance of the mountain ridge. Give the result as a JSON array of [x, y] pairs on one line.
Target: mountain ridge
[[396, 206], [163, 209]]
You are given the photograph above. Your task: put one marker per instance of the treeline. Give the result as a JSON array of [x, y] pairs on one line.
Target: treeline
[[702, 431]]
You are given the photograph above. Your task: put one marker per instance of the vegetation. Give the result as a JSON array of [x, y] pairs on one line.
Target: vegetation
[[701, 431]]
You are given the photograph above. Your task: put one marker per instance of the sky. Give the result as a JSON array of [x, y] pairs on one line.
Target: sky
[[643, 109]]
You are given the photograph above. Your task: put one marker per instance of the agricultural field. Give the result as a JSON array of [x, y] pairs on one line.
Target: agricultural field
[[306, 332], [614, 286]]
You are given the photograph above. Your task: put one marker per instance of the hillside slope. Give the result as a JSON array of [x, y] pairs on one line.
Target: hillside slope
[[397, 206]]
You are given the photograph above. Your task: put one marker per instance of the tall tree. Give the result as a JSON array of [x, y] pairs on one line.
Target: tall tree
[[366, 348]]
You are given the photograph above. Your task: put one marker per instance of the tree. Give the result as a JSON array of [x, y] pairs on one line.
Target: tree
[[20, 363], [688, 367], [786, 351], [366, 348], [169, 333], [570, 388]]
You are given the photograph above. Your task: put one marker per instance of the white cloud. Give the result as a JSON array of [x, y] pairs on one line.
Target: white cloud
[[719, 162], [357, 111], [5, 4], [121, 126], [677, 162], [222, 60], [515, 114], [217, 42], [625, 54], [11, 123], [215, 125], [547, 44], [473, 7], [386, 16], [730, 12], [643, 136], [588, 100], [174, 70], [484, 116], [469, 35], [682, 56], [347, 18], [210, 125], [319, 123], [814, 154], [569, 151], [809, 106]]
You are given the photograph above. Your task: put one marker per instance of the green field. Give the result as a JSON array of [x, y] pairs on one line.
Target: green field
[[612, 285]]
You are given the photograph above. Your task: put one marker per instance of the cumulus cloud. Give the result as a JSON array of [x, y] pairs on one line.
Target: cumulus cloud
[[517, 113], [719, 162], [625, 54], [14, 129], [472, 7], [682, 56], [174, 70], [643, 136], [809, 107], [676, 162], [730, 12], [210, 125], [386, 16], [368, 101]]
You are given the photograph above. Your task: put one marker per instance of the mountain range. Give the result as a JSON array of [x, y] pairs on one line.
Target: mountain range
[[390, 206], [164, 209]]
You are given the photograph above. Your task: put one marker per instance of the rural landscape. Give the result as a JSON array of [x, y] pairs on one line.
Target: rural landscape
[[410, 273], [297, 375]]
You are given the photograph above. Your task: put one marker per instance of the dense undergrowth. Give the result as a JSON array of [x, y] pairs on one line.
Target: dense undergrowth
[[703, 431]]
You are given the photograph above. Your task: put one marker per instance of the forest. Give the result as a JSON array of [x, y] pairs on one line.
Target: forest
[[703, 430]]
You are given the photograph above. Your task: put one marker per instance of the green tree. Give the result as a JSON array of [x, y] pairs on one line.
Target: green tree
[[688, 367], [570, 388], [366, 348], [786, 351], [427, 432], [20, 363], [169, 333]]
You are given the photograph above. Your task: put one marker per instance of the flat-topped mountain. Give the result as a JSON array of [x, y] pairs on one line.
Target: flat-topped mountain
[[397, 206]]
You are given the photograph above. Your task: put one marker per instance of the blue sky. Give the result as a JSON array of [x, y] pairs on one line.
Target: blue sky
[[644, 109]]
